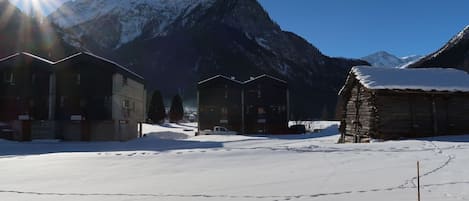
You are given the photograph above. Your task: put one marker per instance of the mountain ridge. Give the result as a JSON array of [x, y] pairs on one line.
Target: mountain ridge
[[454, 54], [388, 60]]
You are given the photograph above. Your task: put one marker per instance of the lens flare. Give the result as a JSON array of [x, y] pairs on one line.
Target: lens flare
[[37, 7], [35, 33]]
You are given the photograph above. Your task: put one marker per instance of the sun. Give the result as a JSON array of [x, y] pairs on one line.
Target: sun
[[37, 7]]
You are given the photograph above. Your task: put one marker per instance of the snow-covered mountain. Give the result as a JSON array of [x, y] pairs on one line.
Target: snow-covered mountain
[[123, 20], [455, 53], [175, 43], [385, 59]]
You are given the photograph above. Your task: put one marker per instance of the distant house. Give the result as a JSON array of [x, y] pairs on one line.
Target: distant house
[[266, 105], [389, 103], [109, 98], [256, 106], [220, 103], [82, 97]]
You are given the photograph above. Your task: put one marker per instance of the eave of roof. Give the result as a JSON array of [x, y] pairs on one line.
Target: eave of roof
[[219, 76], [102, 59], [28, 55], [265, 75]]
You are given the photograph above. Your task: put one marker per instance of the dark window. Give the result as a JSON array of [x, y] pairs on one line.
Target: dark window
[[9, 78], [33, 79], [126, 104], [224, 111], [124, 81], [62, 101], [260, 111], [78, 79], [259, 93]]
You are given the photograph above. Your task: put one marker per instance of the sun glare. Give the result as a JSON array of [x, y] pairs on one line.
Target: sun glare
[[35, 7]]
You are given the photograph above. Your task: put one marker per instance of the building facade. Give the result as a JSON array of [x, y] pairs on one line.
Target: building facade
[[82, 97], [26, 94], [383, 103], [256, 106], [220, 103]]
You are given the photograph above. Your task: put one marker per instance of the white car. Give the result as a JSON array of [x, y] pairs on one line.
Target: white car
[[217, 130]]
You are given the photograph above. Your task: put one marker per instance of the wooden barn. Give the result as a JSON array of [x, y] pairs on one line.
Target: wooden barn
[[220, 103], [256, 106], [26, 95], [98, 99], [266, 105], [389, 103]]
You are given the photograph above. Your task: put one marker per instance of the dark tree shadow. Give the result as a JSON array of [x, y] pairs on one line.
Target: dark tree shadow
[[447, 138], [160, 142]]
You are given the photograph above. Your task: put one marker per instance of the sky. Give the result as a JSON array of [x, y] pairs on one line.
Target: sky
[[356, 28]]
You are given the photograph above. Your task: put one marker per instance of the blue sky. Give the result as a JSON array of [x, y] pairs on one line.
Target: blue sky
[[356, 28]]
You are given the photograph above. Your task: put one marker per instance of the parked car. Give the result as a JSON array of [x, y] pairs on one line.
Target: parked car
[[217, 130], [298, 129]]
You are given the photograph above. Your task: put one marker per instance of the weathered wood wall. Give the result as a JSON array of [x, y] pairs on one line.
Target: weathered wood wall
[[359, 115]]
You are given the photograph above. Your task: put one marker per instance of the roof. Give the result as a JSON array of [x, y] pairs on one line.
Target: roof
[[118, 66], [28, 55], [265, 76], [424, 79], [219, 76], [245, 82]]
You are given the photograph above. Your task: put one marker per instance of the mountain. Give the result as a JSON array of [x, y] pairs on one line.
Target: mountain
[[175, 43], [385, 59], [455, 54], [20, 32]]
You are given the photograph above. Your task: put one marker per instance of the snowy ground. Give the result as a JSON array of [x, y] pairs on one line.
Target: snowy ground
[[171, 164]]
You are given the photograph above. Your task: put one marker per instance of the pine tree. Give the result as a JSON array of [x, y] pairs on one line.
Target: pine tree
[[176, 112], [156, 110]]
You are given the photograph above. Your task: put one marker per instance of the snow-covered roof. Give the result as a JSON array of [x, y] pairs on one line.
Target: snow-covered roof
[[425, 79], [245, 82], [28, 55], [262, 76], [220, 76]]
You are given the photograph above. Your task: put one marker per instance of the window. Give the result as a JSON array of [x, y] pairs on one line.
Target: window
[[226, 91], [126, 104], [62, 101], [260, 111], [259, 93], [124, 81], [9, 78], [224, 111], [78, 79]]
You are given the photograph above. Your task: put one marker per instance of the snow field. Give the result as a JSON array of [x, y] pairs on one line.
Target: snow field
[[172, 164]]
